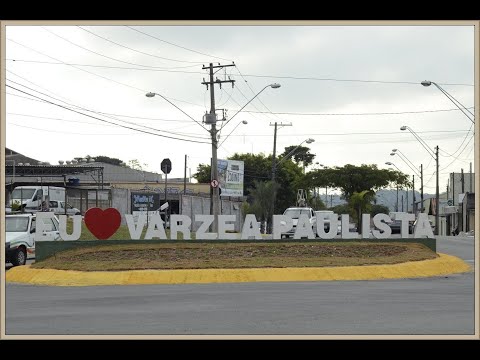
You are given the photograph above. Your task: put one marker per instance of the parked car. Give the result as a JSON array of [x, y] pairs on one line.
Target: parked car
[[58, 207], [20, 236], [294, 213], [326, 222]]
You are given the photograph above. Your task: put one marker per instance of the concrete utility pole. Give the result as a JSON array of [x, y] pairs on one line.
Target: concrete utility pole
[[274, 165], [437, 198], [421, 190], [211, 119], [471, 181], [414, 208]]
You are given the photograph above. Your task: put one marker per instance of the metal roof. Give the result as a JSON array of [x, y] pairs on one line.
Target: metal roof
[[49, 170]]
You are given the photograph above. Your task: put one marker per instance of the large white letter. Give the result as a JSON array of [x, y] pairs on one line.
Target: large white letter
[[206, 220], [223, 227], [346, 233], [155, 228], [365, 226], [136, 230], [321, 217], [175, 227], [40, 226], [251, 228], [304, 228], [77, 227], [405, 218], [380, 221], [423, 227], [281, 224]]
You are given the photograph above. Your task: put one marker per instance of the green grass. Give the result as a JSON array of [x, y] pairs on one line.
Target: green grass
[[233, 255]]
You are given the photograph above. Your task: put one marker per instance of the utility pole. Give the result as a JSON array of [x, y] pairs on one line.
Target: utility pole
[[437, 198], [471, 181], [421, 190], [396, 207], [414, 209], [453, 188], [274, 168], [185, 177], [211, 119], [463, 182]]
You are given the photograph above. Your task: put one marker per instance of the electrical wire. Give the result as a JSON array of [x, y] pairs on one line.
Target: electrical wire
[[103, 120], [245, 75], [109, 116], [138, 51], [109, 57], [95, 74], [170, 43]]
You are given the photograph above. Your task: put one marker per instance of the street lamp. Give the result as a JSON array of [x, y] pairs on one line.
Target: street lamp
[[405, 159], [244, 122], [213, 132], [211, 119], [392, 164], [452, 99], [274, 169], [434, 155]]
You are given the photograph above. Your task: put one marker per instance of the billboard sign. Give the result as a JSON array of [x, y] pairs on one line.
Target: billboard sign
[[230, 177], [143, 201]]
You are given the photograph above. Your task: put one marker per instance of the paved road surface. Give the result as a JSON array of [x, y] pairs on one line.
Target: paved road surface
[[441, 305]]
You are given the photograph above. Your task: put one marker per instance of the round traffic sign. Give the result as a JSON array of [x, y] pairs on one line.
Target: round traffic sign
[[214, 183]]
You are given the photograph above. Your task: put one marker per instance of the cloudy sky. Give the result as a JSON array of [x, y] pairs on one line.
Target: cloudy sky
[[80, 90]]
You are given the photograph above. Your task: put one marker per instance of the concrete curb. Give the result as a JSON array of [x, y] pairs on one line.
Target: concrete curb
[[443, 265]]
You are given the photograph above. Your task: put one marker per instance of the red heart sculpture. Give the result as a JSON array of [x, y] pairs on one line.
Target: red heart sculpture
[[102, 223]]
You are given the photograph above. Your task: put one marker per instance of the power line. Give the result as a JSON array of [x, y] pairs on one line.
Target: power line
[[138, 51], [245, 75], [103, 120], [109, 116], [109, 57], [63, 132], [170, 43]]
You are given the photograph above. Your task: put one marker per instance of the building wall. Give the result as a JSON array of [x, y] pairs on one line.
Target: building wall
[[455, 187], [193, 205]]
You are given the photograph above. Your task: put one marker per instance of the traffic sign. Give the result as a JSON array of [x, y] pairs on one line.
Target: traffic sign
[[166, 166], [450, 202], [214, 183]]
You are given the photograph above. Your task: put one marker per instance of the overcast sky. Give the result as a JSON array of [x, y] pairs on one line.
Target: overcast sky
[[350, 88]]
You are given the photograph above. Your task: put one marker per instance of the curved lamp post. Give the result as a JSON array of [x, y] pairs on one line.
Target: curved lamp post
[[213, 132], [434, 155], [392, 164], [274, 169], [405, 159], [462, 108]]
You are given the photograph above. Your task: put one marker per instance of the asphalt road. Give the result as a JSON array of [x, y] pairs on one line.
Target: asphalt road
[[441, 305]]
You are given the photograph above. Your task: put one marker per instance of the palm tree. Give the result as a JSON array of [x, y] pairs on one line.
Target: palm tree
[[360, 202], [262, 194]]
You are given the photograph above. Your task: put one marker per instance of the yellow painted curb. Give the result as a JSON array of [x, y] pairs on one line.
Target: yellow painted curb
[[443, 265]]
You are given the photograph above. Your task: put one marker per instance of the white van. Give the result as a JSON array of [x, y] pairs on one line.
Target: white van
[[31, 198]]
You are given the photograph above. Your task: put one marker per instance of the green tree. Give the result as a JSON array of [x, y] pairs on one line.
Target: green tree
[[136, 165], [261, 199], [351, 178], [360, 203], [379, 209], [108, 160], [357, 183], [203, 174], [258, 167], [301, 154]]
